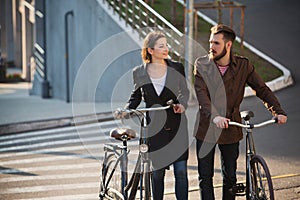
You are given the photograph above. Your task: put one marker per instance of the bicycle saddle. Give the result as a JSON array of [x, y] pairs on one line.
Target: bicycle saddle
[[246, 115], [122, 133]]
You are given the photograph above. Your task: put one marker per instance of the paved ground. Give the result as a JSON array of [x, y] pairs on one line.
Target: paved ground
[[17, 106], [61, 112]]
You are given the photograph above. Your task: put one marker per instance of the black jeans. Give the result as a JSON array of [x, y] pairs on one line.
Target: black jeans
[[229, 156]]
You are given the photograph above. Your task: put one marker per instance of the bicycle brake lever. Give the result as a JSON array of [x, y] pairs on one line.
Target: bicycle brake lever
[[170, 103]]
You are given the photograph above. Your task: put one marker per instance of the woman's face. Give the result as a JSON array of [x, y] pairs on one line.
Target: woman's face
[[160, 50]]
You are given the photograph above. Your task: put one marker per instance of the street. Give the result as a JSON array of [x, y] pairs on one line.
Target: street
[[65, 163]]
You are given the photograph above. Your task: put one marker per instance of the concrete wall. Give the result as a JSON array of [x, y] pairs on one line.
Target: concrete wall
[[100, 57], [6, 28]]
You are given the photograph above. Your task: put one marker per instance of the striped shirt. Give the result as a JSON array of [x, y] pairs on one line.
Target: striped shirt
[[222, 68]]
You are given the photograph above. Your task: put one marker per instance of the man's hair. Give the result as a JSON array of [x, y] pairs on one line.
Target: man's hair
[[149, 42], [229, 34]]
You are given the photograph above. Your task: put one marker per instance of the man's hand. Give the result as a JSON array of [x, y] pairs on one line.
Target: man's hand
[[221, 122], [281, 119]]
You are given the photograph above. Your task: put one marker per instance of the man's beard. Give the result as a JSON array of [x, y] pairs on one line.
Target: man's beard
[[221, 55]]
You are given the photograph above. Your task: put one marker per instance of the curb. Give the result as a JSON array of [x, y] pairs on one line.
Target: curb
[[279, 83], [54, 123]]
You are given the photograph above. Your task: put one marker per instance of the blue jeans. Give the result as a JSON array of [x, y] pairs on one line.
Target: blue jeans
[[181, 181], [229, 156]]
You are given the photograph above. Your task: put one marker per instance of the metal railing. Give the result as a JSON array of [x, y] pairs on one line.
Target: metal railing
[[143, 19], [39, 55]]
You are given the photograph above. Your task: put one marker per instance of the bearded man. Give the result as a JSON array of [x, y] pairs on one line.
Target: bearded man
[[220, 80]]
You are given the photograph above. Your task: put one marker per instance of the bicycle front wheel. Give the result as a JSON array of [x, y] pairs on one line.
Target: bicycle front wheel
[[261, 182], [147, 181], [111, 182]]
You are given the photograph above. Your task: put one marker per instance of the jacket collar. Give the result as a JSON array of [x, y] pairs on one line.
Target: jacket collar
[[208, 66]]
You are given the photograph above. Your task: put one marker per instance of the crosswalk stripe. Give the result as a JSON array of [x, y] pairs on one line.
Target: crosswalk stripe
[[44, 188], [53, 168], [52, 137], [43, 159], [68, 197], [52, 143], [56, 130], [63, 149], [50, 177]]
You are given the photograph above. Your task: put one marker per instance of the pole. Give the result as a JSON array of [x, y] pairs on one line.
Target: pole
[[188, 41], [67, 55], [45, 83]]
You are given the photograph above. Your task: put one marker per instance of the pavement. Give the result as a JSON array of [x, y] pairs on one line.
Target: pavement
[[21, 112]]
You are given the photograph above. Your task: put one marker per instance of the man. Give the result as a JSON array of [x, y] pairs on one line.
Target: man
[[220, 80]]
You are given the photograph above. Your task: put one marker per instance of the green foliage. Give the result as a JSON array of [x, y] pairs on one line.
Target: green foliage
[[164, 7]]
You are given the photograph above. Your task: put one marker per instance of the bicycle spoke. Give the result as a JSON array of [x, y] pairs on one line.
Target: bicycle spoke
[[262, 187], [111, 184]]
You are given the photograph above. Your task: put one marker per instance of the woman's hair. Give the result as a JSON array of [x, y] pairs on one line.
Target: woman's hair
[[149, 42]]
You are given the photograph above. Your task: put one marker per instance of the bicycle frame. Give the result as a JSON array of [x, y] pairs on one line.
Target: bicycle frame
[[256, 166], [143, 162]]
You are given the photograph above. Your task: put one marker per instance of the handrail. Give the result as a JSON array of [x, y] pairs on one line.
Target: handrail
[[142, 18], [160, 17], [39, 60]]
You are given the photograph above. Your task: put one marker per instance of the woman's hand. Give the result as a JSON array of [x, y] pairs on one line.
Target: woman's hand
[[178, 108]]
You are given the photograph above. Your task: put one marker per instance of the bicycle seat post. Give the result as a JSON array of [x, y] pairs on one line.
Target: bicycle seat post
[[124, 139]]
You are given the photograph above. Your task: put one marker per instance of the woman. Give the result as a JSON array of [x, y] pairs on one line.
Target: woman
[[157, 81]]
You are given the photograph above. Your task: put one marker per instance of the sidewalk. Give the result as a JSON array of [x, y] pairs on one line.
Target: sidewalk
[[23, 112]]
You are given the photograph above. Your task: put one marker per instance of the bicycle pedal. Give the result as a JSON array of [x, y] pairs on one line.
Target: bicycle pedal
[[238, 189]]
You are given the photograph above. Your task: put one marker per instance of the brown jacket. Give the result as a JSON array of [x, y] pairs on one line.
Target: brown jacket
[[222, 95]]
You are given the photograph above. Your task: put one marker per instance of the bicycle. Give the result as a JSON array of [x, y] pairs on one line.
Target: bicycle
[[258, 179], [114, 185]]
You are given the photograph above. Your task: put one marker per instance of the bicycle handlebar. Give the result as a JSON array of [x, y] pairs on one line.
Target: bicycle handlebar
[[251, 126], [120, 112]]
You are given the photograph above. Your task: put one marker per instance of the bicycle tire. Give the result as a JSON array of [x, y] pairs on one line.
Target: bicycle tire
[[262, 187], [147, 177], [111, 189]]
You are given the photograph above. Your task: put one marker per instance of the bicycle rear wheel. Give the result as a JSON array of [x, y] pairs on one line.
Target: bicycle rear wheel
[[261, 182], [111, 180]]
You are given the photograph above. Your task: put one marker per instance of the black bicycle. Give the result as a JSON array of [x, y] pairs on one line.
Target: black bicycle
[[258, 179], [114, 180]]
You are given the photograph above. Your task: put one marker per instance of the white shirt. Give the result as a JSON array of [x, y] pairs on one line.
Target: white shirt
[[159, 83]]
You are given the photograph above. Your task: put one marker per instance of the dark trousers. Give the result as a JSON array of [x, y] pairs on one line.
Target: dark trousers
[[229, 156], [181, 181]]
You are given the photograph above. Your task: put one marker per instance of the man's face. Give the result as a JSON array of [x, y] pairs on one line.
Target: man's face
[[217, 47]]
